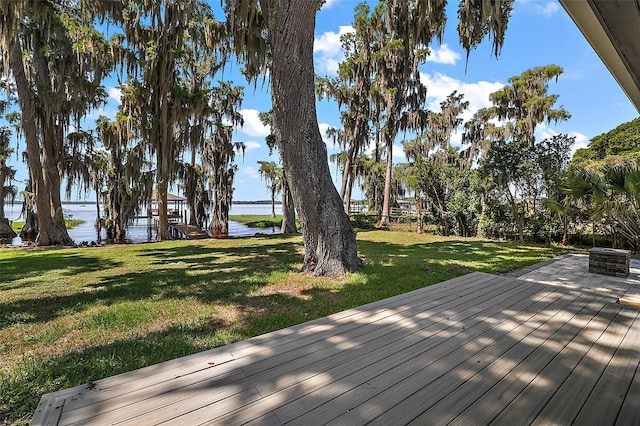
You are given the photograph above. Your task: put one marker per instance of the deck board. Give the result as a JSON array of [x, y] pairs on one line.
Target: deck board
[[607, 395], [475, 349]]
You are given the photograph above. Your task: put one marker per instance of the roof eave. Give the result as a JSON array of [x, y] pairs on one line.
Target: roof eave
[[587, 21]]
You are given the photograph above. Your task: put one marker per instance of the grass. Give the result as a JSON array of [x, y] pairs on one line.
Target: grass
[[258, 221], [70, 316], [70, 223]]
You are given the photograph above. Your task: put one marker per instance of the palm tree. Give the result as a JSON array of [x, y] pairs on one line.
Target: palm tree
[[271, 174], [288, 225]]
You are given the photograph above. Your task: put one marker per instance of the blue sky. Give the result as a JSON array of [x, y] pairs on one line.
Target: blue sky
[[540, 33]]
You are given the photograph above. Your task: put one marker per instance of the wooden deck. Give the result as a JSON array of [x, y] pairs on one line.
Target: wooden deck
[[549, 347]]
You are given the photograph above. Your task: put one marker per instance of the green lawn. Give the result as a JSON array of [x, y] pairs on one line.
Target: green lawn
[[70, 316], [258, 221], [70, 223]]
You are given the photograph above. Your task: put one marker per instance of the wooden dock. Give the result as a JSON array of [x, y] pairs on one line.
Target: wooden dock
[[551, 346], [189, 232]]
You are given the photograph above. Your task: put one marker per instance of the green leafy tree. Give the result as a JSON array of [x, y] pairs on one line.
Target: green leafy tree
[[618, 146], [509, 149]]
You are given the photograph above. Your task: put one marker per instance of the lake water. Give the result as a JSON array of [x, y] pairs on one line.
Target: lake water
[[139, 231]]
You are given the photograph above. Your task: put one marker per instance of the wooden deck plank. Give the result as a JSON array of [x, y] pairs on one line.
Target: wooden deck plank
[[524, 398], [565, 398], [226, 353], [202, 378], [359, 387], [466, 372], [515, 372], [465, 382], [48, 412], [604, 403], [631, 406], [310, 370]]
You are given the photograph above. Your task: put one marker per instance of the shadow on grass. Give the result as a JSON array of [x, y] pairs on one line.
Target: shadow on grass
[[34, 263], [198, 271]]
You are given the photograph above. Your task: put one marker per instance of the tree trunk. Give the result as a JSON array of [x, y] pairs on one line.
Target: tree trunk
[[220, 211], [347, 198], [345, 178], [288, 211], [384, 220], [329, 239], [6, 232], [419, 223], [273, 201], [49, 233], [163, 216], [98, 222]]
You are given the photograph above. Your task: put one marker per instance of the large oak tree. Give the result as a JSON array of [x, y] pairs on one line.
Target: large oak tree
[[278, 35]]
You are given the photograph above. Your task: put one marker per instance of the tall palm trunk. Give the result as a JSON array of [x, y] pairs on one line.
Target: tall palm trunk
[[384, 220]]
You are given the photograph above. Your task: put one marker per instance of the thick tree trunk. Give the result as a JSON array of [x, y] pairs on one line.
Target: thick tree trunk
[[220, 211], [6, 232], [288, 211], [329, 239], [49, 233], [163, 213]]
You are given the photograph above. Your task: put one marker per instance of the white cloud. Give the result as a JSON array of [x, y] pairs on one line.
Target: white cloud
[[439, 86], [549, 9], [115, 94], [323, 127], [328, 4], [443, 55], [546, 9], [328, 50], [544, 132], [251, 146], [252, 124], [252, 172], [398, 152]]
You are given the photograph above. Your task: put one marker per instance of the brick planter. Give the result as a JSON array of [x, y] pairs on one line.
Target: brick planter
[[608, 261]]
